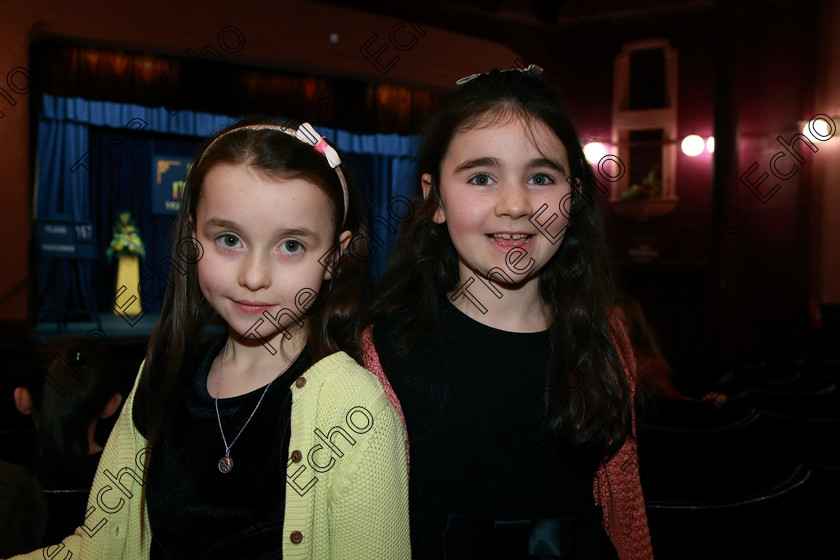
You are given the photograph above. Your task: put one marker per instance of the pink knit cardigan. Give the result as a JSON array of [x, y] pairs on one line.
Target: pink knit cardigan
[[616, 486]]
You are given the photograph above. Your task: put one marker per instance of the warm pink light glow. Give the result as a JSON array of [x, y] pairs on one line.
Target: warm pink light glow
[[692, 145]]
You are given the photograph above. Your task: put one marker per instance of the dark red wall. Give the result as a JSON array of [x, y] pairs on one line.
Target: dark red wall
[[752, 299]]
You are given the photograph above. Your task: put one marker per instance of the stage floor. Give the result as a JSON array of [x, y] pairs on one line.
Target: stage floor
[[115, 327]]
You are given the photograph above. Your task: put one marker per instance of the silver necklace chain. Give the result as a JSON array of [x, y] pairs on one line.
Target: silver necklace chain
[[226, 463]]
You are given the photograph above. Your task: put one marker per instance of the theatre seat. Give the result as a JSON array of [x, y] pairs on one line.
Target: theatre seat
[[782, 519], [803, 438], [692, 414], [817, 399], [677, 463]]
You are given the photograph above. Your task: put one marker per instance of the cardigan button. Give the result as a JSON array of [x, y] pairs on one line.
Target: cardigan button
[[296, 456], [296, 537], [301, 381]]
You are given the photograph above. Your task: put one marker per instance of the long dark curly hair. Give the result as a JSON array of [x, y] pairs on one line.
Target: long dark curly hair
[[587, 394]]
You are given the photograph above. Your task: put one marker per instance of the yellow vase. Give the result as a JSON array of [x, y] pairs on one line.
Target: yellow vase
[[128, 276]]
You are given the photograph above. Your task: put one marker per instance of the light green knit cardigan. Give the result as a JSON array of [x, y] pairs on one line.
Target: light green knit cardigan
[[347, 484]]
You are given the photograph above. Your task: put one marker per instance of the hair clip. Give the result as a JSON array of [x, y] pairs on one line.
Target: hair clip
[[531, 69], [305, 133]]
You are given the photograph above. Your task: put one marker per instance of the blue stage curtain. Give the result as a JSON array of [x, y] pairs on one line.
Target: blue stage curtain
[[384, 165], [124, 163], [61, 284], [94, 160]]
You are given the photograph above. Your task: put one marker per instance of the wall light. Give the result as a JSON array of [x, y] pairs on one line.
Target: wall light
[[692, 145], [817, 130], [594, 151], [710, 144]]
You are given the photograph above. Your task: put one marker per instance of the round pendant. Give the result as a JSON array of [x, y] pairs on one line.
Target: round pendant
[[225, 464]]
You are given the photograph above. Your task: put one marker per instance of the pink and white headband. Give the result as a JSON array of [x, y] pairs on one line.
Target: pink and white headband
[[305, 134]]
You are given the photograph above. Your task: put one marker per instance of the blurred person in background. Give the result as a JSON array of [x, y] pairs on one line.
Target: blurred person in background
[[67, 390]]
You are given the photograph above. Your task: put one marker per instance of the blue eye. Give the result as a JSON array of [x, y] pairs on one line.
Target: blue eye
[[482, 179], [291, 246], [542, 179]]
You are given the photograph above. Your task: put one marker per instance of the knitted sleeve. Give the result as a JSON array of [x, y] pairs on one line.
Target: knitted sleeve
[[347, 491], [371, 360], [112, 524], [617, 487], [369, 509]]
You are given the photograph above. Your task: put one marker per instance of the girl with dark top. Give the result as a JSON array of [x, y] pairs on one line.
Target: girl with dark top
[[491, 330], [229, 517], [265, 441]]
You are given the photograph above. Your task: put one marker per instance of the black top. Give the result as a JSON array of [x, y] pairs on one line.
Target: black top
[[486, 481], [196, 511]]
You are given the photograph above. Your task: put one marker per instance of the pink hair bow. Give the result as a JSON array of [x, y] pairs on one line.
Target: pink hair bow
[[305, 133]]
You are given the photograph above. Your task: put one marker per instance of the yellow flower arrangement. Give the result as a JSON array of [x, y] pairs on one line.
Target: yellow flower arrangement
[[126, 239]]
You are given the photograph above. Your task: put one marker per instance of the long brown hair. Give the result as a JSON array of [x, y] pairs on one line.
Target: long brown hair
[[587, 394], [185, 314]]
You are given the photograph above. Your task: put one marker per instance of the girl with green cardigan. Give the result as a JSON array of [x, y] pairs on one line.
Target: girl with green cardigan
[[265, 441]]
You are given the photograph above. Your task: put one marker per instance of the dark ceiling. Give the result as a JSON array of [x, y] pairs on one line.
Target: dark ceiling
[[497, 19], [528, 27]]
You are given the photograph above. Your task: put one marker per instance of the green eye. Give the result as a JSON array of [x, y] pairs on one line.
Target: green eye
[[291, 246], [229, 241]]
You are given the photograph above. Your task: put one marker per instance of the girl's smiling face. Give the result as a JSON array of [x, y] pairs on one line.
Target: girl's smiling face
[[493, 179], [263, 237]]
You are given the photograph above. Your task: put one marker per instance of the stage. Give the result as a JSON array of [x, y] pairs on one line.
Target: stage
[[121, 330]]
